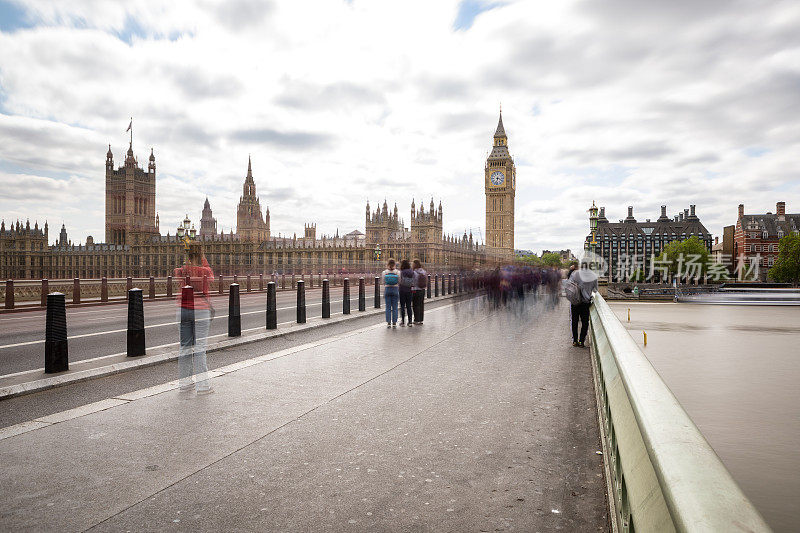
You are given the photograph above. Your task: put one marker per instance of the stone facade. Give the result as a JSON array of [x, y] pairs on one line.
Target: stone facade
[[208, 224], [130, 200], [250, 224], [500, 177], [135, 247]]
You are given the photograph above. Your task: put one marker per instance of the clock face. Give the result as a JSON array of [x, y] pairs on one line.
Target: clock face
[[497, 178]]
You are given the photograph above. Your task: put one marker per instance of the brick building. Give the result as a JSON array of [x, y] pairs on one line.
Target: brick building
[[756, 236]]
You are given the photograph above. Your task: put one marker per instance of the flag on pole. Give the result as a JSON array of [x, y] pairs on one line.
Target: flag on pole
[[129, 126]]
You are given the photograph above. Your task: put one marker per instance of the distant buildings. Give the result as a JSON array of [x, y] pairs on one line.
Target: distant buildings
[[629, 245], [135, 246], [756, 236], [566, 255]]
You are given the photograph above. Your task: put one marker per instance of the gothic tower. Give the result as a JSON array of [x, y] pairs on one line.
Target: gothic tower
[[250, 226], [208, 224], [500, 185], [130, 200]]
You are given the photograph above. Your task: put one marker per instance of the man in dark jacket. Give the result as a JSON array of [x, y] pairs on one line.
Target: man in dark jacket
[[587, 283]]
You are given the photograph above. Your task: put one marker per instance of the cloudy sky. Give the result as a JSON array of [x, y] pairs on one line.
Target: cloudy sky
[[623, 102]]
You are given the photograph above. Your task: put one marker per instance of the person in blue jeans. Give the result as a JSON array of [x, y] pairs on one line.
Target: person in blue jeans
[[391, 292]]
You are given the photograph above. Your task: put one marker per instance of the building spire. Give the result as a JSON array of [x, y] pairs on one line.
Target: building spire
[[500, 132]]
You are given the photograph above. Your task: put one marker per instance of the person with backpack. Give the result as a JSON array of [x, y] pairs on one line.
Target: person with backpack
[[418, 291], [579, 288], [391, 294], [406, 282]]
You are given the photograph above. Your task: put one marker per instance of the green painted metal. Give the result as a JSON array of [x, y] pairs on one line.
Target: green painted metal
[[664, 474]]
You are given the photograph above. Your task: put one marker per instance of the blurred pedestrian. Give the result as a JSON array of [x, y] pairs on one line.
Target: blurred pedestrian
[[418, 291], [391, 294], [406, 282], [586, 281], [194, 316]]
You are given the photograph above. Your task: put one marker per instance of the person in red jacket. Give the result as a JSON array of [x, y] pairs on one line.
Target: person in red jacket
[[194, 315]]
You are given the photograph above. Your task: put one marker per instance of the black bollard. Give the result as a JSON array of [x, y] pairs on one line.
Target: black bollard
[[301, 301], [56, 354], [326, 298], [346, 296], [272, 307], [362, 295], [135, 323], [377, 292], [234, 312], [436, 285], [429, 286]]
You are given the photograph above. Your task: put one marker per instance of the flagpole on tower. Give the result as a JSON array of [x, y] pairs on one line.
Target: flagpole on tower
[[130, 129]]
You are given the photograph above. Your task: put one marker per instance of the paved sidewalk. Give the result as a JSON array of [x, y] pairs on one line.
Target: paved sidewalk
[[479, 420]]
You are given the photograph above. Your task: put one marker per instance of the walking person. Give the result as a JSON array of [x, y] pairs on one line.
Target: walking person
[[586, 282], [406, 283], [391, 294], [418, 291], [194, 317]]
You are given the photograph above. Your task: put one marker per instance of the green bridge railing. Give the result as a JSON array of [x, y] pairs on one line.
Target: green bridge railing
[[664, 476]]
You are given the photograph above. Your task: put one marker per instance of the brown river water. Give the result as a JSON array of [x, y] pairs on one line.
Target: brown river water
[[736, 371]]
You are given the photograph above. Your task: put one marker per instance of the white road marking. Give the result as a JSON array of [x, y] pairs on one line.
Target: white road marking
[[124, 399], [95, 334]]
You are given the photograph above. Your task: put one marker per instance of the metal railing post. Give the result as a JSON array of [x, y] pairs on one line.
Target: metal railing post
[[56, 350], [76, 291], [152, 287], [104, 289], [234, 312], [45, 290], [220, 288], [135, 323], [169, 286], [272, 307]]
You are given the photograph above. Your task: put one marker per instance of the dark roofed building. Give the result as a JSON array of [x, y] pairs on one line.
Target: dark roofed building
[[629, 241]]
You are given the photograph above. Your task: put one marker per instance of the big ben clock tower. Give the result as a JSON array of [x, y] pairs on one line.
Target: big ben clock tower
[[501, 185]]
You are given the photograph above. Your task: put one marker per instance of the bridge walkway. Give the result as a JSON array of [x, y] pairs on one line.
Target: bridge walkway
[[480, 420]]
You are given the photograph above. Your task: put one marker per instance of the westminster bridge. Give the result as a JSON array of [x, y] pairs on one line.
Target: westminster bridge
[[484, 418]]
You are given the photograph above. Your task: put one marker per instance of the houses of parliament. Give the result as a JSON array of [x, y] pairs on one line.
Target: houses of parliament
[[134, 245]]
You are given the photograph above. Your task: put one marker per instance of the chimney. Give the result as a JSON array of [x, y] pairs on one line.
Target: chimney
[[663, 210], [630, 211], [691, 211], [680, 217], [741, 210], [716, 240], [602, 212], [685, 214], [780, 210]]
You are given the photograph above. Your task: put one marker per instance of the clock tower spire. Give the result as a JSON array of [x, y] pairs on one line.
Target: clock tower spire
[[500, 179]]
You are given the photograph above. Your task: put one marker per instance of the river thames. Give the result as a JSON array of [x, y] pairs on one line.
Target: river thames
[[736, 371]]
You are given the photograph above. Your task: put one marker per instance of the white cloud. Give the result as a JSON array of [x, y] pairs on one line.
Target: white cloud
[[621, 102]]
